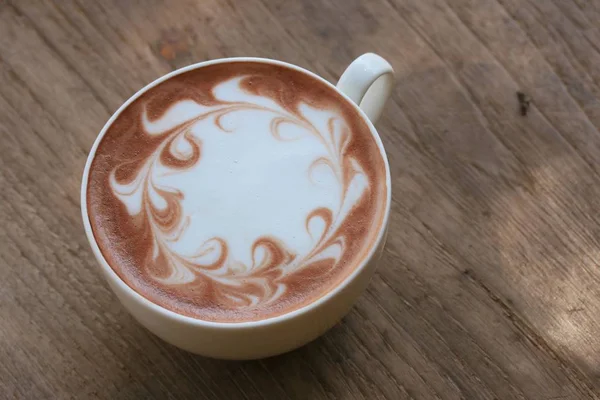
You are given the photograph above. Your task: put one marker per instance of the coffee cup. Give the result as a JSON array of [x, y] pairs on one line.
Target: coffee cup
[[238, 207]]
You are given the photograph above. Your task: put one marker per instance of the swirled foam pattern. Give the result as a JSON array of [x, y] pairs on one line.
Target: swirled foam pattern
[[236, 192]]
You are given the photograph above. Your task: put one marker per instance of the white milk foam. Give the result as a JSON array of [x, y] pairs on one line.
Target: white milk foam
[[262, 170]]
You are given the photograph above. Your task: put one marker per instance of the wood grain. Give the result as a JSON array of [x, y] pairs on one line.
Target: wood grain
[[490, 283]]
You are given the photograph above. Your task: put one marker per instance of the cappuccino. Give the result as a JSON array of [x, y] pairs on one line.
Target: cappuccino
[[237, 191]]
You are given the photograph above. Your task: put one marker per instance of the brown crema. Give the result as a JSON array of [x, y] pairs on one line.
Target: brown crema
[[126, 241]]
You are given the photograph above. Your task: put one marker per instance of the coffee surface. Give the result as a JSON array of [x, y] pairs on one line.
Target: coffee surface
[[237, 191]]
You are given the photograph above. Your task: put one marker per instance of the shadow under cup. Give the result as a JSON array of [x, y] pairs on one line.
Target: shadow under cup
[[215, 299]]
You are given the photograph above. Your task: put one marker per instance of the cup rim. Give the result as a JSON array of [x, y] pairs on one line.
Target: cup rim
[[110, 273]]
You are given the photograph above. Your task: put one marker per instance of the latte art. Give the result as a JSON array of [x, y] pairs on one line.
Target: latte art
[[249, 194], [253, 277]]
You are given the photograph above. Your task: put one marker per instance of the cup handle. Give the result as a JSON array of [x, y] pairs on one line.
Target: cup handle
[[368, 81]]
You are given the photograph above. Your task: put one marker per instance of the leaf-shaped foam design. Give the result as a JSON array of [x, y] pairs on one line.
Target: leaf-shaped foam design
[[182, 147], [181, 112], [318, 223], [321, 169], [211, 254], [231, 92], [131, 193], [333, 252], [355, 189], [277, 133], [179, 273]]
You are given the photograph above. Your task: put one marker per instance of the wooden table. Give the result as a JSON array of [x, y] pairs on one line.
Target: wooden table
[[489, 286]]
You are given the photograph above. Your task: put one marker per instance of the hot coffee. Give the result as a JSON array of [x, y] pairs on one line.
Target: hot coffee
[[237, 191]]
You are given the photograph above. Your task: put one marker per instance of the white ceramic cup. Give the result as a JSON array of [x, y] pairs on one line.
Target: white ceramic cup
[[367, 84]]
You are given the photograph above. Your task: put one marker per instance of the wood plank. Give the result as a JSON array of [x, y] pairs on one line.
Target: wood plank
[[559, 168]]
